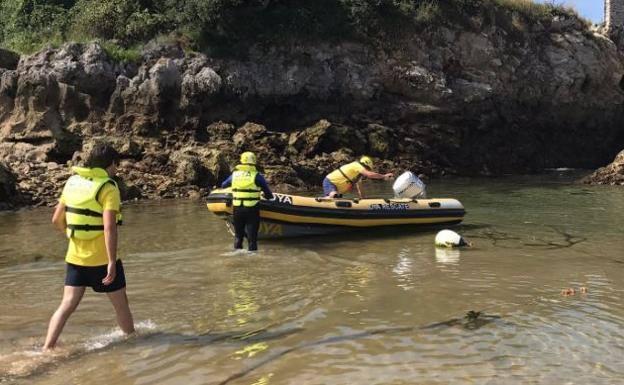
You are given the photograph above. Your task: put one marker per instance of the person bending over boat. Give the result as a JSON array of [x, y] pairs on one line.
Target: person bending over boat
[[247, 184], [344, 178], [88, 213]]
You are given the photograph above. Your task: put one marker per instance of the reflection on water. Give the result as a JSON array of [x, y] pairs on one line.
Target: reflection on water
[[384, 307], [447, 256], [244, 305]]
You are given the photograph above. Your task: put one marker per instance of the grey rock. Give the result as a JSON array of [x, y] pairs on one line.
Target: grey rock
[[612, 174]]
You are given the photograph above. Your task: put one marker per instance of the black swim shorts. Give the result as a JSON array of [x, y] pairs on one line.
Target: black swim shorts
[[92, 277]]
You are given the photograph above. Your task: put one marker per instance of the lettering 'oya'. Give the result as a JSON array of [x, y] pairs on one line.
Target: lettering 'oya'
[[281, 198], [270, 229]]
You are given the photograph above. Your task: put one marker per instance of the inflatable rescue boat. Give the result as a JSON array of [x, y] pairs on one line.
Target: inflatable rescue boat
[[292, 215]]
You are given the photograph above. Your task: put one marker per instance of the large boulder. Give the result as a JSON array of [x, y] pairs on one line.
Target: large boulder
[[612, 174], [248, 134], [382, 140], [125, 146], [200, 87], [88, 68], [47, 100], [269, 146], [326, 137], [283, 178], [150, 100], [8, 88], [189, 168], [219, 131], [199, 166]]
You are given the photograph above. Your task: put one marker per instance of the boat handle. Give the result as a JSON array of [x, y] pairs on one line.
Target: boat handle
[[399, 201]]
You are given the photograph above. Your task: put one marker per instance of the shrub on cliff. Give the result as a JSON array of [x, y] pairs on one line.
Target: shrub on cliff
[[128, 21], [27, 24]]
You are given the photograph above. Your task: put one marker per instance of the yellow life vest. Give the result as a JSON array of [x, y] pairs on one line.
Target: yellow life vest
[[346, 176], [83, 213], [245, 192]]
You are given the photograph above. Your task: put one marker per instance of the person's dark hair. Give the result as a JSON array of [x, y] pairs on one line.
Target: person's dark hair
[[102, 155]]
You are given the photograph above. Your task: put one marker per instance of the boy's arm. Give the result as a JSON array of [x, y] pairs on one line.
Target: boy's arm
[[58, 218], [111, 203], [110, 239]]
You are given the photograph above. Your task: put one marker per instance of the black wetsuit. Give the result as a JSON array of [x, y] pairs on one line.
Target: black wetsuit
[[246, 223], [247, 219]]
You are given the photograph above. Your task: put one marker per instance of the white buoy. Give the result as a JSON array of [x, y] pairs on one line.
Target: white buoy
[[408, 185], [449, 238]]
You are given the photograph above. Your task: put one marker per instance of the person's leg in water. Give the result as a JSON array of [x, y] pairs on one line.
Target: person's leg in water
[[239, 226], [116, 292], [119, 299], [71, 298], [253, 224]]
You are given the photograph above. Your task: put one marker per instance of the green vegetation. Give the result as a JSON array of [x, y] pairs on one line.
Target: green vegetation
[[124, 25], [122, 54]]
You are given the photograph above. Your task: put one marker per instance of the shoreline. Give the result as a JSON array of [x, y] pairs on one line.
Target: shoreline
[[567, 176]]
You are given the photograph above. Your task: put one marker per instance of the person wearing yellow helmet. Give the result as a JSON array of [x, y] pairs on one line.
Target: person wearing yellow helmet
[[345, 177], [247, 184]]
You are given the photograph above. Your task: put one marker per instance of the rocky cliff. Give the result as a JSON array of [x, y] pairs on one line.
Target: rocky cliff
[[481, 98]]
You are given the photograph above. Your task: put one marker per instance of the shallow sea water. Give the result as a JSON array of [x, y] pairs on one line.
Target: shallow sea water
[[382, 307]]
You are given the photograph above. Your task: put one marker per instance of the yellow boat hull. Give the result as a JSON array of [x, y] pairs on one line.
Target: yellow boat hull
[[292, 215]]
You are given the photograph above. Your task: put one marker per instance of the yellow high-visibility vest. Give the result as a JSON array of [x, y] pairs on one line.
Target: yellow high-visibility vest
[[83, 213], [245, 192], [346, 176]]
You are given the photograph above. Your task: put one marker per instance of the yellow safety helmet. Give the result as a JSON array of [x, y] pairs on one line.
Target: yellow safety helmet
[[367, 162], [248, 157]]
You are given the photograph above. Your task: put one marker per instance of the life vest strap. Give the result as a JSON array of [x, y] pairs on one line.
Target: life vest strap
[[97, 194], [345, 176], [85, 212], [86, 227], [246, 190]]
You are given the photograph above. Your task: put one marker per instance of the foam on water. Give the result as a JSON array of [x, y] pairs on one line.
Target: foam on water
[[116, 335], [239, 253], [32, 360]]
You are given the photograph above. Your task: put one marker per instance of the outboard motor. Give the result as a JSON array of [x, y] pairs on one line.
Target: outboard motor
[[408, 185]]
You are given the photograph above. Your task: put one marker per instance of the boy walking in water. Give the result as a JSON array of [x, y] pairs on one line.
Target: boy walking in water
[[88, 212]]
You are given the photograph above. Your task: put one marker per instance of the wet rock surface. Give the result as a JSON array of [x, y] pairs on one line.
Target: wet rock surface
[[612, 174], [454, 101]]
